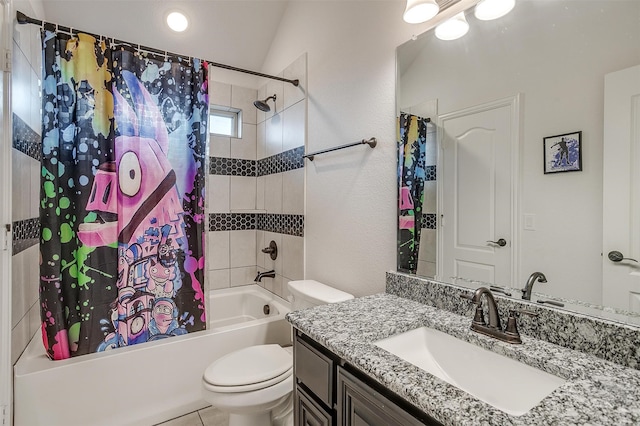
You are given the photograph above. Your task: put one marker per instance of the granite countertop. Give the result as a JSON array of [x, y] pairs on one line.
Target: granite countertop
[[596, 392]]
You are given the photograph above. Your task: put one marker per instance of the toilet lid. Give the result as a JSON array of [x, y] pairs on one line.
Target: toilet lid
[[254, 365]]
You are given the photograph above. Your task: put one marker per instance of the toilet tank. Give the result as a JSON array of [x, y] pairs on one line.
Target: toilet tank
[[308, 293]]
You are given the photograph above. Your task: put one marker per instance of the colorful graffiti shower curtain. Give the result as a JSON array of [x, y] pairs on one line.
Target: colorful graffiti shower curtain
[[122, 199], [412, 138]]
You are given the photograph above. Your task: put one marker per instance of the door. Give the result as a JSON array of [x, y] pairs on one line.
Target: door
[[621, 189], [479, 151]]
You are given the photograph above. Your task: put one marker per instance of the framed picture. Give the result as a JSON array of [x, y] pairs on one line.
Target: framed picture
[[563, 153]]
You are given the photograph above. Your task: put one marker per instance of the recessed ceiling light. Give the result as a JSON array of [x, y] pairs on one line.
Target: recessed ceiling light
[[177, 21]]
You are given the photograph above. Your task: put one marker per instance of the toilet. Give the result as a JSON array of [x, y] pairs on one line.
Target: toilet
[[255, 384]]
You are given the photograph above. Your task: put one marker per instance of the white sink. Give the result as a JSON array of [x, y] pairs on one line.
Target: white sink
[[508, 385]]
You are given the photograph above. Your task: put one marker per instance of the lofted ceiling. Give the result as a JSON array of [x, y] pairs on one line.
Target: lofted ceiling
[[233, 32]]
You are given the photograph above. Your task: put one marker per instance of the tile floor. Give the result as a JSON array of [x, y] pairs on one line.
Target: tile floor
[[206, 417]]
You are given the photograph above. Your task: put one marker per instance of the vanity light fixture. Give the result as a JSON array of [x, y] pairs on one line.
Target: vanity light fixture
[[177, 21], [453, 28], [418, 11], [487, 10]]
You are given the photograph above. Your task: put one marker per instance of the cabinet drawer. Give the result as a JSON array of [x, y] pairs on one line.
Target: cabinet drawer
[[309, 413], [314, 370]]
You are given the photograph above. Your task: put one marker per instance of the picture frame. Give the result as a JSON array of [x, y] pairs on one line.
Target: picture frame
[[563, 153]]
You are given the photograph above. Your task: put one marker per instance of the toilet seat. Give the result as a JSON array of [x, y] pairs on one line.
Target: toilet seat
[[249, 369]]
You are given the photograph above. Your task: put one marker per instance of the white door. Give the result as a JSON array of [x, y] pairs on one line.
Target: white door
[[621, 186], [479, 148]]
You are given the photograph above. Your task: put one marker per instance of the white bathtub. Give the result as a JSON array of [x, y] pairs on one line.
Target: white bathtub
[[148, 383]]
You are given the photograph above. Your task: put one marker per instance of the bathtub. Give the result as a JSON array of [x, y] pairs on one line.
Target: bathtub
[[141, 385]]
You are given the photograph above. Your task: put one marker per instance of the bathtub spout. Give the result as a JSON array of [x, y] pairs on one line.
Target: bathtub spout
[[268, 274]]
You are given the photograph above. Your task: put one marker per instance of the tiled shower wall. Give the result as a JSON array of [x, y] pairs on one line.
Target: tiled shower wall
[[256, 186], [25, 313]]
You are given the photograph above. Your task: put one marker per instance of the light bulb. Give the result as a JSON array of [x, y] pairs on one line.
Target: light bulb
[[487, 10], [453, 28], [418, 11], [177, 21]]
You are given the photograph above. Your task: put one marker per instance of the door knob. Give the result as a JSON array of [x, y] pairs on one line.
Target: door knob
[[501, 242], [616, 256]]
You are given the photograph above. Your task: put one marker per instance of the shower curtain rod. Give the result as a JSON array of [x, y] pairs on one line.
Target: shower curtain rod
[[24, 19], [372, 142]]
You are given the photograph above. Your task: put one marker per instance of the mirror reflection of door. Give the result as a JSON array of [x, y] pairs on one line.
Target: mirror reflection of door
[[621, 184], [479, 168]]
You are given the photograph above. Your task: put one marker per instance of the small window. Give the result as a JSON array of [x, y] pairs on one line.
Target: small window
[[225, 121]]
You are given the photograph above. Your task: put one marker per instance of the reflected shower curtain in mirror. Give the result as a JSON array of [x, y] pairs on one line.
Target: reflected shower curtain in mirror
[[411, 138], [122, 195]]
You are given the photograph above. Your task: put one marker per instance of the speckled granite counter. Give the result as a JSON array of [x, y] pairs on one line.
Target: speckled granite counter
[[597, 392]]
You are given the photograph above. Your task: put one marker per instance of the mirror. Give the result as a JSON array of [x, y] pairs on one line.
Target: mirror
[[498, 100]]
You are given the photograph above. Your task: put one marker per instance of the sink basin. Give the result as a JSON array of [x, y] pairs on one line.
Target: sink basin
[[502, 382]]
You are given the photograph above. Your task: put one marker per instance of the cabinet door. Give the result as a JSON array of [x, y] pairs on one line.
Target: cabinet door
[[360, 405], [308, 413]]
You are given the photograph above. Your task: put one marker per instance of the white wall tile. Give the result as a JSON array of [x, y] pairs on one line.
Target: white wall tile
[[262, 95], [18, 289], [21, 84], [219, 279], [34, 319], [430, 197], [246, 147], [273, 136], [243, 98], [220, 94], [242, 248], [269, 264], [32, 275], [292, 257], [274, 285], [297, 70], [218, 250], [273, 193], [275, 87], [19, 338], [243, 276], [260, 244], [260, 184], [428, 247], [34, 191], [293, 126], [293, 191], [218, 194], [21, 178], [220, 146], [261, 140], [243, 193]]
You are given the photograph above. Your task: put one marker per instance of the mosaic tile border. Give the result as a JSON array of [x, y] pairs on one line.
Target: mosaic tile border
[[430, 172], [232, 221], [232, 167], [26, 233], [428, 221], [25, 139], [279, 163], [290, 224], [283, 162]]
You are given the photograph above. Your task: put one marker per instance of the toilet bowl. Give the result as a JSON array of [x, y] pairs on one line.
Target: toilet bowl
[[255, 384]]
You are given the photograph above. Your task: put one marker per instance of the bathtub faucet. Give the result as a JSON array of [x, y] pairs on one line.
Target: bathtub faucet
[[268, 274]]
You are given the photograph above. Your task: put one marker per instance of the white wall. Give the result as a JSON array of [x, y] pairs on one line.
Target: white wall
[[556, 54], [350, 216]]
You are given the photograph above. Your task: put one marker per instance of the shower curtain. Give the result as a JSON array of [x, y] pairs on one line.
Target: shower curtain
[[122, 195], [411, 138]]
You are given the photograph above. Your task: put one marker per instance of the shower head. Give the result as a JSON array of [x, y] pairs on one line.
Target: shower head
[[262, 105]]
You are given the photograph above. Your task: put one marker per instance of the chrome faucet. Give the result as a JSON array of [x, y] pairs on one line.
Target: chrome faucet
[[494, 329], [526, 291], [267, 274]]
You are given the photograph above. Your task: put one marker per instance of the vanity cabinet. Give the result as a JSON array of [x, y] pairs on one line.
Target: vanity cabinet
[[329, 392]]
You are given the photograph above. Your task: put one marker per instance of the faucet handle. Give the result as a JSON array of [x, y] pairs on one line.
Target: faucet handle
[[512, 326], [514, 312], [466, 296]]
